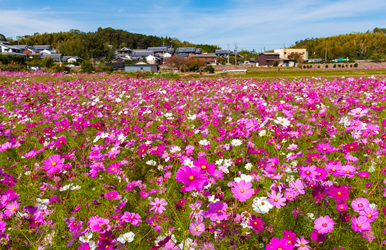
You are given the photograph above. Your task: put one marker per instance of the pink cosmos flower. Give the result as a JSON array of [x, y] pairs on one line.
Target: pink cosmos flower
[[53, 164], [155, 226], [217, 211], [276, 200], [30, 154], [204, 165], [133, 218], [242, 190], [297, 186], [341, 206], [11, 208], [2, 226], [301, 243], [113, 195], [361, 224], [282, 244], [158, 205], [196, 228], [289, 236], [308, 173], [369, 213], [142, 149], [359, 204], [364, 174], [192, 178], [324, 224], [100, 224]]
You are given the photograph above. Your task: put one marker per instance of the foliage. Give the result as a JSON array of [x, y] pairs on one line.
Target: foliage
[[378, 57], [195, 65], [354, 46], [12, 67], [7, 59], [209, 69], [3, 38], [87, 66], [177, 62], [206, 48], [297, 57], [46, 62], [221, 59]]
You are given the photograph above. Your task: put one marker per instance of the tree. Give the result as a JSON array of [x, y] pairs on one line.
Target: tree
[[46, 62], [176, 62], [297, 57], [2, 38], [196, 64], [209, 69], [86, 67], [221, 59], [378, 57]]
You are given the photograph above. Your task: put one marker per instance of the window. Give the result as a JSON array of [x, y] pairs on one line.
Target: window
[[141, 68], [285, 53], [303, 53], [206, 59]]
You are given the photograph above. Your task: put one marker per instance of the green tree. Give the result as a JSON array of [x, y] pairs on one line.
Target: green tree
[[195, 64], [86, 67], [2, 37], [46, 62], [378, 57]]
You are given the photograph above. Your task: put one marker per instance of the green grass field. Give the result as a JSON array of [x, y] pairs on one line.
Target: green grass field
[[313, 72]]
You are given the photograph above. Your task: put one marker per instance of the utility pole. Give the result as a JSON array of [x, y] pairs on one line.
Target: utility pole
[[325, 57], [228, 53], [163, 52], [60, 61], [235, 53]]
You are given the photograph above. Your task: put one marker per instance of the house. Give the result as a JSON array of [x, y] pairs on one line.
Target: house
[[117, 65], [207, 58], [222, 52], [7, 48], [273, 59], [285, 52], [141, 66], [40, 48], [124, 50], [151, 59], [141, 53], [111, 47], [55, 57], [160, 51], [188, 51], [69, 59]]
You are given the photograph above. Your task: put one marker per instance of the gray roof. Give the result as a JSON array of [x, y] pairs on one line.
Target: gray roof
[[222, 51], [42, 47], [111, 47], [117, 65], [142, 53], [65, 58], [5, 42], [53, 56], [161, 49], [124, 49], [21, 46], [10, 47], [198, 51], [186, 50]]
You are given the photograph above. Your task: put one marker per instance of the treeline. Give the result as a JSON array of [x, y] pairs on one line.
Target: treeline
[[95, 44], [356, 46]]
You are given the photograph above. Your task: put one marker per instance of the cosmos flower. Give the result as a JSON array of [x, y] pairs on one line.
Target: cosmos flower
[[242, 190]]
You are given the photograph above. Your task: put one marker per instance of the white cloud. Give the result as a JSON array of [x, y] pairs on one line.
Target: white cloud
[[23, 22]]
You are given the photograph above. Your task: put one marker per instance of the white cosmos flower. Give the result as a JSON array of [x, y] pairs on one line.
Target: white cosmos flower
[[246, 178], [127, 237], [219, 162], [248, 166], [261, 205], [204, 142], [262, 132], [212, 199], [282, 121], [86, 237], [236, 142], [188, 162]]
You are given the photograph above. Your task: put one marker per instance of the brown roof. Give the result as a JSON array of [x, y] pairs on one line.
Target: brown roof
[[203, 55]]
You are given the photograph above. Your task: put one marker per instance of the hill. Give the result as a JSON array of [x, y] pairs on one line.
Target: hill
[[94, 44], [370, 44]]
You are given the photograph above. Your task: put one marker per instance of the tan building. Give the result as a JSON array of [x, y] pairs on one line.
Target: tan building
[[285, 52]]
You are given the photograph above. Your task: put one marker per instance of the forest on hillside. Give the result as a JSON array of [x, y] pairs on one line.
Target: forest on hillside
[[95, 44], [368, 45]]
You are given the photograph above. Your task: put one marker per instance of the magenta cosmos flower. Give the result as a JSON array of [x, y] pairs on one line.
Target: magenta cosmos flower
[[256, 223], [11, 208], [282, 244], [192, 178], [53, 164], [203, 164], [242, 190], [113, 195], [100, 224], [158, 205], [217, 211], [359, 204], [339, 193], [369, 213], [324, 224], [133, 218], [196, 228]]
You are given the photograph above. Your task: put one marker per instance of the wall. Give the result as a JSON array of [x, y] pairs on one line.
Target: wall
[[138, 68]]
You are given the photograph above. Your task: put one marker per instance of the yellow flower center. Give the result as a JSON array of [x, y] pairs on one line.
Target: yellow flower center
[[203, 167], [339, 193], [53, 164], [242, 190], [191, 177]]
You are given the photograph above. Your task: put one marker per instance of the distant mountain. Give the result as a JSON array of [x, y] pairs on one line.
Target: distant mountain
[[94, 44], [355, 46]]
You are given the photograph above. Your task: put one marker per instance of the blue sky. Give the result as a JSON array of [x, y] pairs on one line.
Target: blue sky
[[253, 24]]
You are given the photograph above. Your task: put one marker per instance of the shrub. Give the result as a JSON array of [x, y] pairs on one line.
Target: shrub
[[87, 67], [46, 62], [334, 66], [13, 67], [326, 66], [318, 66], [209, 69], [350, 65], [356, 65]]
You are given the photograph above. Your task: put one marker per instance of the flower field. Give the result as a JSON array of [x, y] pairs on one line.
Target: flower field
[[105, 162]]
